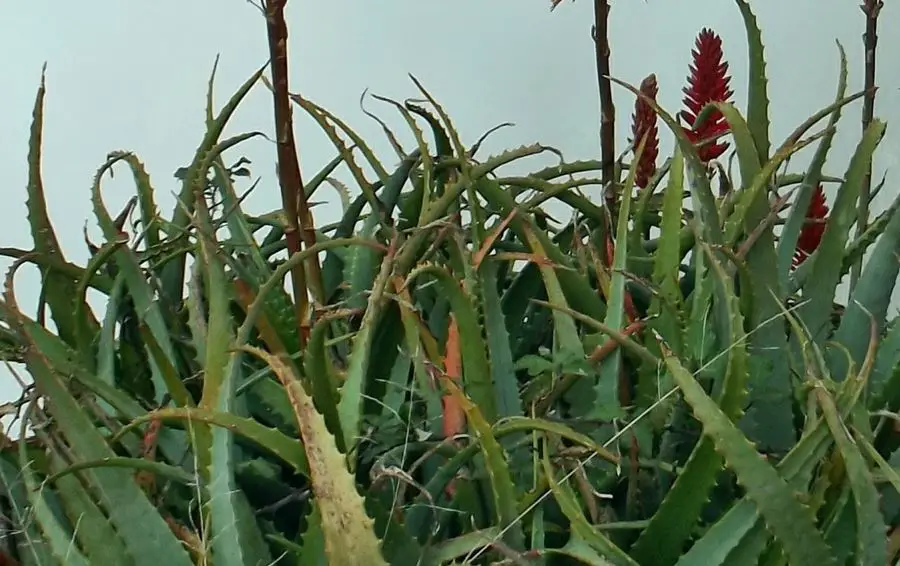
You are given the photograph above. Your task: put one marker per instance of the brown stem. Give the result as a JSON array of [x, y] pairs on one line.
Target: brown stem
[[871, 8], [293, 197], [607, 109]]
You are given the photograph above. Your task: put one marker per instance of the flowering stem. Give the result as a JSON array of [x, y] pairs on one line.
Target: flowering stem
[[296, 207], [607, 109], [871, 8]]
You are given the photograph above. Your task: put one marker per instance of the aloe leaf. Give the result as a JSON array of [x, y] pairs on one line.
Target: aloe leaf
[[662, 541], [311, 551], [443, 148], [174, 386], [768, 421], [350, 406], [255, 270], [414, 338], [610, 370], [439, 208], [476, 370], [150, 219], [580, 527], [577, 291], [160, 469], [667, 259], [858, 249], [321, 385], [325, 120], [427, 169], [145, 534], [362, 263], [515, 425], [580, 550], [257, 307], [58, 537], [347, 529], [96, 537], [752, 206], [738, 531], [335, 264], [700, 337], [97, 261], [819, 288], [139, 289], [884, 466], [870, 299], [757, 88], [65, 361], [60, 290], [503, 374], [33, 548], [790, 522], [236, 539], [886, 362], [747, 547], [870, 525], [288, 450], [502, 488], [173, 273], [791, 232], [461, 546], [562, 191]]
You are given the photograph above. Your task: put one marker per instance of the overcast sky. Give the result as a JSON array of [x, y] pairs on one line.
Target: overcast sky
[[133, 75]]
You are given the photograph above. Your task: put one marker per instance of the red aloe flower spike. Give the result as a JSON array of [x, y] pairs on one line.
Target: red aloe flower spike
[[643, 123], [814, 227], [708, 82]]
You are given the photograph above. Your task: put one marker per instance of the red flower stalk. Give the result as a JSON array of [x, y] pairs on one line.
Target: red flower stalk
[[814, 227], [643, 123], [708, 82]]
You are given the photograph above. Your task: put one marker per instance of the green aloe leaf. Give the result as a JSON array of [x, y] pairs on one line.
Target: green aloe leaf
[[662, 541], [287, 449], [502, 488], [757, 86], [476, 370], [791, 232], [143, 531], [362, 264], [350, 406], [502, 366], [347, 529], [869, 301], [236, 538], [790, 522], [34, 549], [667, 259], [58, 536], [870, 526], [819, 288], [59, 290], [93, 531], [606, 388], [173, 272], [145, 303], [586, 532]]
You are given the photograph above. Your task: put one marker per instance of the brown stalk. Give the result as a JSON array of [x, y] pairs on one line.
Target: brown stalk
[[871, 8], [298, 219], [607, 108]]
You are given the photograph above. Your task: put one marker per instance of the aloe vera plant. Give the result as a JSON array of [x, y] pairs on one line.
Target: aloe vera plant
[[467, 381]]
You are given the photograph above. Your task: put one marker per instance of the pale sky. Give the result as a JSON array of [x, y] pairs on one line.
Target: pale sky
[[133, 75]]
